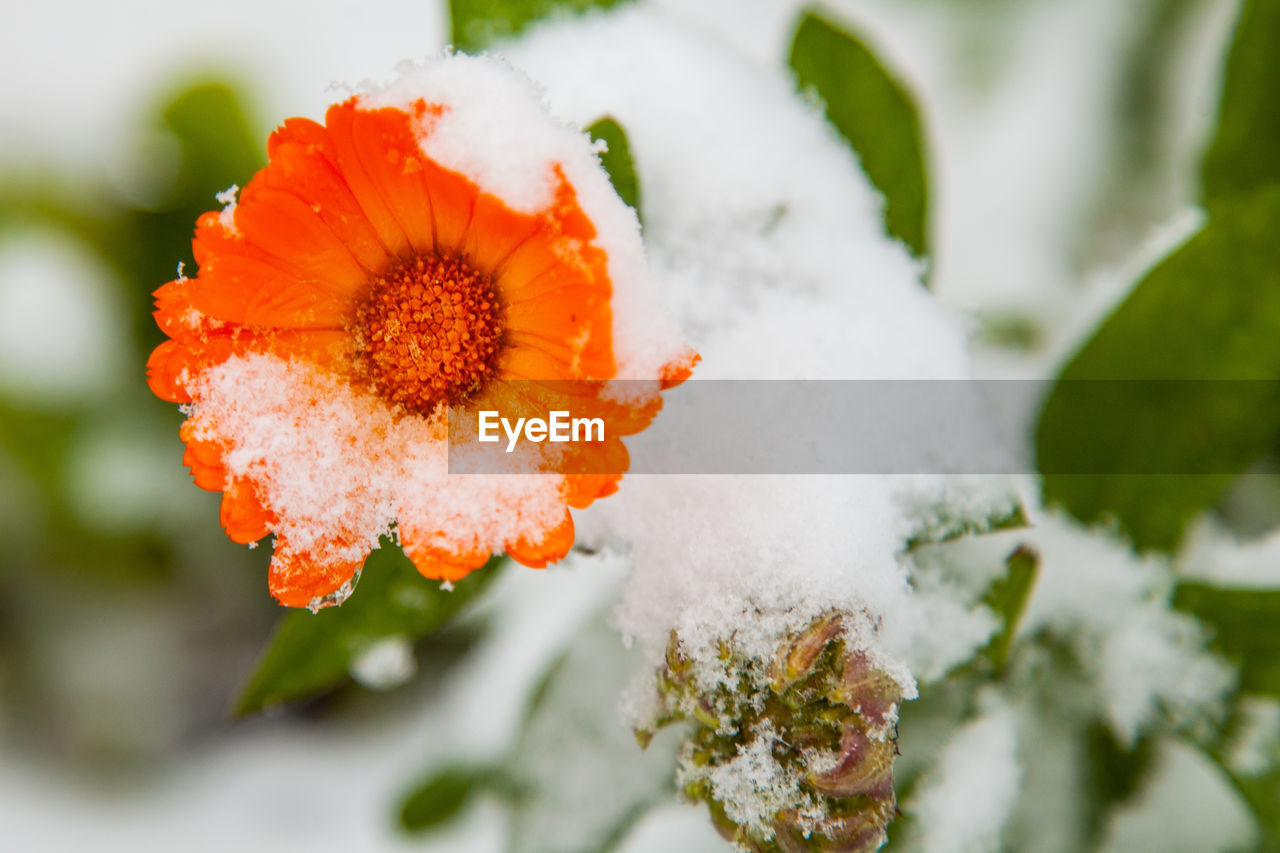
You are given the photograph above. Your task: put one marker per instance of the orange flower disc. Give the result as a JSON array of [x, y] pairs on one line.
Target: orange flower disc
[[428, 333]]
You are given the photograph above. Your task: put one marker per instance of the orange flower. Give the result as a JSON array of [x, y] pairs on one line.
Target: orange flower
[[383, 274]]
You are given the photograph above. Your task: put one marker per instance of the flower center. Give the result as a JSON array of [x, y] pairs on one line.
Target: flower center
[[429, 333]]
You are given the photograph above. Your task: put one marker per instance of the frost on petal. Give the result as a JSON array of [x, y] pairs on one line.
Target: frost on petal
[[336, 467]]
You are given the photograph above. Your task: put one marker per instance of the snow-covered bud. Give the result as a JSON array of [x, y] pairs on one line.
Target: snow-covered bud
[[791, 754]]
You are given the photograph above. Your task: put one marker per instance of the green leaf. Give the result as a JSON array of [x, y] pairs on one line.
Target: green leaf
[[875, 114], [1246, 628], [479, 23], [312, 652], [1134, 451], [1008, 598], [440, 798], [1115, 771], [1245, 153], [617, 160]]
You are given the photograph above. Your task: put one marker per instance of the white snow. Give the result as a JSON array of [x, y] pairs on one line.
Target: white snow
[[965, 802], [1255, 747], [1112, 606], [788, 275], [228, 198], [1215, 556], [753, 786], [338, 467]]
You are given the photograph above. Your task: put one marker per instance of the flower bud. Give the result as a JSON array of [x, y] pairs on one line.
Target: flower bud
[[793, 754]]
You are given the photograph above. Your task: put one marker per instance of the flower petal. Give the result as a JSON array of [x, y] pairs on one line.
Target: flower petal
[[243, 516], [239, 283], [358, 136], [289, 230], [295, 580], [303, 163], [551, 546], [175, 364], [204, 458]]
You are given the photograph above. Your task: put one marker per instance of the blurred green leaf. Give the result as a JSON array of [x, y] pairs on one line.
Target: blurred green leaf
[[1008, 598], [478, 23], [1246, 628], [440, 798], [310, 652], [218, 146], [1209, 312], [1245, 153], [1115, 772], [617, 160], [875, 114]]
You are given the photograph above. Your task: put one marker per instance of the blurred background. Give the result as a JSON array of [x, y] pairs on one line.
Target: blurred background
[[132, 632]]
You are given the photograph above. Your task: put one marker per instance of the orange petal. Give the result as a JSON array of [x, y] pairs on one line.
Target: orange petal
[[581, 490], [388, 148], [167, 372], [443, 566], [676, 372], [249, 292], [495, 232], [438, 556], [243, 516], [282, 225], [355, 138], [303, 163], [175, 315], [204, 458], [528, 363], [175, 365], [295, 580], [553, 545]]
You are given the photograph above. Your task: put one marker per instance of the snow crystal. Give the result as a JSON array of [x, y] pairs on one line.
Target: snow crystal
[[227, 198], [964, 804], [495, 130]]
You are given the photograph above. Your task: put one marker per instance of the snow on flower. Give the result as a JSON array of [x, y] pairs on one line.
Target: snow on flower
[[434, 248]]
